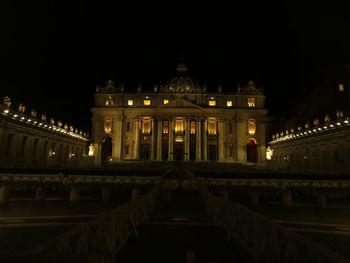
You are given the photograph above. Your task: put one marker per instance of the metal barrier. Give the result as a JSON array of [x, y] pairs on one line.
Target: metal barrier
[[98, 240], [262, 239]]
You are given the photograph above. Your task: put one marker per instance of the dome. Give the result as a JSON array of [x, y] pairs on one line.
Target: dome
[[182, 83]]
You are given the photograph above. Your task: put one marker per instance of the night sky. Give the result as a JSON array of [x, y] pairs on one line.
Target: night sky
[[53, 53]]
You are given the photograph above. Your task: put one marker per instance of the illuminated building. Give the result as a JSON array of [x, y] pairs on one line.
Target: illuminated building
[[29, 141], [179, 120]]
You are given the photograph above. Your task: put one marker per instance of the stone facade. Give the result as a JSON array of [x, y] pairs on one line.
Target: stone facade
[[319, 148], [30, 142], [179, 120]]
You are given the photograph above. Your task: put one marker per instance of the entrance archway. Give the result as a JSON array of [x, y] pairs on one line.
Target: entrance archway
[[178, 151], [106, 150], [252, 150]]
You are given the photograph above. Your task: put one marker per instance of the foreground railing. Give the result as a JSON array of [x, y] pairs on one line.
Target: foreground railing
[[262, 239], [98, 240]]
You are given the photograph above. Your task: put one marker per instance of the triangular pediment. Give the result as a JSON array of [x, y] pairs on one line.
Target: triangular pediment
[[181, 103]]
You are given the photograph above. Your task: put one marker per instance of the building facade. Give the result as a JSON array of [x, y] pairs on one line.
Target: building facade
[[318, 147], [179, 121], [28, 141]]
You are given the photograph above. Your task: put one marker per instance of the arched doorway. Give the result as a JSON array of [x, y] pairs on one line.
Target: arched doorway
[[106, 150], [252, 150]]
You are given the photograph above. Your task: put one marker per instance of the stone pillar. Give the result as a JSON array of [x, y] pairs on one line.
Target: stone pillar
[[205, 140], [4, 194], [153, 140], [221, 140], [159, 139], [74, 194], [190, 256], [224, 195], [40, 194], [234, 131], [137, 139], [261, 142], [198, 140], [171, 141], [287, 199], [106, 194], [322, 200], [241, 134], [187, 140], [135, 194], [254, 198], [117, 138]]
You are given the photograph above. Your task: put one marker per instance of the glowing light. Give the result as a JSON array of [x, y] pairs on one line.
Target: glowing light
[[22, 118], [147, 102], [15, 115], [251, 102], [229, 103], [331, 125], [212, 102], [29, 120], [338, 123], [325, 127], [346, 121], [130, 102], [165, 101], [6, 111]]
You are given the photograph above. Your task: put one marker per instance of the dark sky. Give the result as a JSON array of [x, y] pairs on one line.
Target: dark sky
[[53, 53]]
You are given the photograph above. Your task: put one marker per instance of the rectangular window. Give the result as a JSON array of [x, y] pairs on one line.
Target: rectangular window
[[251, 102], [130, 102], [229, 103], [146, 102], [341, 87], [165, 101], [212, 103], [193, 127]]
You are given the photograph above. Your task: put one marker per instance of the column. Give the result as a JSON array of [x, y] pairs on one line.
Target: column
[[287, 199], [204, 140], [187, 140], [4, 194], [254, 198], [74, 194], [221, 140], [198, 140], [106, 194], [234, 139], [40, 194], [137, 139], [171, 141], [135, 194], [240, 139], [224, 195], [153, 141], [261, 133], [322, 200], [117, 138], [159, 139]]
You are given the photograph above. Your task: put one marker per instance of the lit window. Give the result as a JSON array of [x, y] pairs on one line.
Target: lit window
[[147, 101], [212, 102], [179, 126], [109, 101], [193, 127], [251, 127], [251, 102], [165, 127], [146, 127], [212, 127], [341, 87], [165, 101], [229, 103], [108, 125], [130, 102]]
